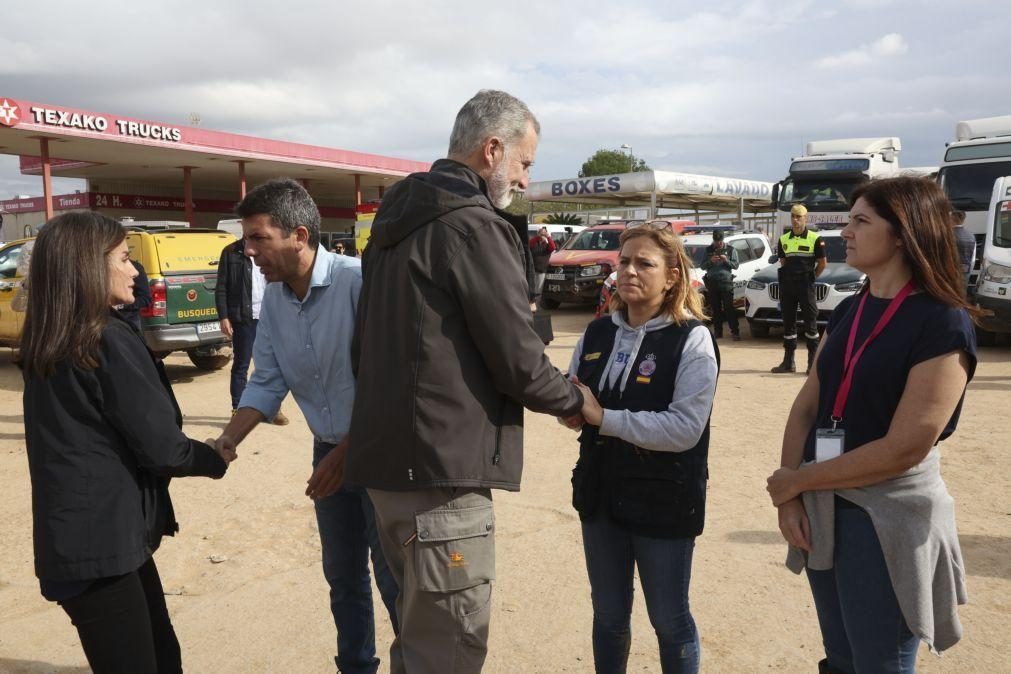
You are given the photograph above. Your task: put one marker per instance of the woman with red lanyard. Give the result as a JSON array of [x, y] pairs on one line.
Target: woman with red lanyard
[[860, 496]]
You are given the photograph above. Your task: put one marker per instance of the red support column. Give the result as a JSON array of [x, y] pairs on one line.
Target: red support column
[[188, 193], [242, 179], [47, 177], [358, 190]]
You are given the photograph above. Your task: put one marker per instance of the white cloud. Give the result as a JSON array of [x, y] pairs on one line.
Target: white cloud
[[892, 44]]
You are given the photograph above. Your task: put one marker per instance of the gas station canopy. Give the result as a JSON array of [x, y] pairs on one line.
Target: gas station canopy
[[164, 160], [659, 189]]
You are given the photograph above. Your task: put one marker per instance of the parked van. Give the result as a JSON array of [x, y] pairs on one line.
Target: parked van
[[993, 291], [181, 266]]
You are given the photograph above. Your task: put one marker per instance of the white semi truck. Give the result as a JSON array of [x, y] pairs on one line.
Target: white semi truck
[[979, 155], [994, 290], [825, 176]]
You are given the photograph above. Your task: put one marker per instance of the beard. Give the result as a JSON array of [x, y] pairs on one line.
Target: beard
[[500, 191]]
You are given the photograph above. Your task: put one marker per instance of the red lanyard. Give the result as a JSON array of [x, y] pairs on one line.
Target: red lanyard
[[850, 360]]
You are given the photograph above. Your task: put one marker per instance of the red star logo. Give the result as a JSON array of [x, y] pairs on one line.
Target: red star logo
[[10, 113]]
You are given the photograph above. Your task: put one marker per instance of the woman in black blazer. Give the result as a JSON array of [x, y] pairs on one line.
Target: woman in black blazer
[[104, 438]]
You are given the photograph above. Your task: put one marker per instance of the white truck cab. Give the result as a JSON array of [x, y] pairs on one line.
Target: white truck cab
[[825, 176], [993, 291], [979, 155]]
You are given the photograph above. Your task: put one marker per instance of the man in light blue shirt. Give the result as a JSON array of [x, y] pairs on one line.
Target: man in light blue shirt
[[303, 343]]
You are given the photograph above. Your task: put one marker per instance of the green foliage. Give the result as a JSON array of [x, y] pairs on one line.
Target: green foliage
[[609, 162], [563, 219]]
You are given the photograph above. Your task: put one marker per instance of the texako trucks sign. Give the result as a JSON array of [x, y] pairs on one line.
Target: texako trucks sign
[[12, 114]]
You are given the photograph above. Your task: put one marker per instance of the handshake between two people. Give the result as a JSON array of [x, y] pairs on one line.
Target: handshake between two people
[[591, 413], [327, 476]]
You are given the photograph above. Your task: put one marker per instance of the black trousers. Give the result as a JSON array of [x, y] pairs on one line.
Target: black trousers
[[795, 293], [721, 301], [124, 624]]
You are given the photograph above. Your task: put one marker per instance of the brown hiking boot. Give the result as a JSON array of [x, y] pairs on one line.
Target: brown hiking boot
[[279, 419]]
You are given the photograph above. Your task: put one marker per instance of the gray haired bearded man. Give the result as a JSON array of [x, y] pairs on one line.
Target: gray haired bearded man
[[446, 358]]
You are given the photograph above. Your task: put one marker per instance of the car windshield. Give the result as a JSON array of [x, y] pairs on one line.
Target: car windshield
[[970, 187], [1002, 228], [697, 252], [835, 248], [818, 195], [603, 239]]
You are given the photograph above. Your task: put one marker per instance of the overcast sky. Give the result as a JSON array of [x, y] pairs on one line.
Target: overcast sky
[[723, 88]]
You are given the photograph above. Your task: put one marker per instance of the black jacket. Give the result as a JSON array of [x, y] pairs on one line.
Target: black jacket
[[444, 350], [102, 445], [233, 293], [647, 493]]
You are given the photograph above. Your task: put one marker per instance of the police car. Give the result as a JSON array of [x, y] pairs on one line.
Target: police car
[[836, 283]]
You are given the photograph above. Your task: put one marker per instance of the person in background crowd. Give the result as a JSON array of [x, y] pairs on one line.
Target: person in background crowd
[[446, 358], [103, 434], [239, 298], [648, 376], [719, 263], [965, 242], [303, 343], [541, 248], [801, 260], [141, 296], [860, 496], [338, 248]]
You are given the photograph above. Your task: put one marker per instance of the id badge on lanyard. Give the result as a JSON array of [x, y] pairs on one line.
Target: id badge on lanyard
[[829, 443]]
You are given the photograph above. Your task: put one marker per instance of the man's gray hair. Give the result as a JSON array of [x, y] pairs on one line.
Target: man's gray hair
[[287, 203], [490, 113]]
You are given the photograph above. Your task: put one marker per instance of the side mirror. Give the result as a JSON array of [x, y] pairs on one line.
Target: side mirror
[[773, 259], [775, 194]]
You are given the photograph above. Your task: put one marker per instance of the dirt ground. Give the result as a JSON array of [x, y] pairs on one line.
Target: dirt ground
[[262, 606]]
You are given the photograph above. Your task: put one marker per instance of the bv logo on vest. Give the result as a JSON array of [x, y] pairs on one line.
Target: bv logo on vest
[[646, 369]]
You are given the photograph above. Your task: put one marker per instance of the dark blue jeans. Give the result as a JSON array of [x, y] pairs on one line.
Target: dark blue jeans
[[347, 533], [243, 336], [665, 569], [861, 624]]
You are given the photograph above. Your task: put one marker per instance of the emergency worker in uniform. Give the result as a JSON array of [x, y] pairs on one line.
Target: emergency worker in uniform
[[801, 260]]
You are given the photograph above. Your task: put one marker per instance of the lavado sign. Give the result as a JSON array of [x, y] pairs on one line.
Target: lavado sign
[[11, 114]]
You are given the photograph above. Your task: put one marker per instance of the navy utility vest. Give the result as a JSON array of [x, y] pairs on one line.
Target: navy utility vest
[[648, 493]]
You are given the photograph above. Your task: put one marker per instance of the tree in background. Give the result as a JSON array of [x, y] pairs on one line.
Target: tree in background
[[563, 219], [609, 162]]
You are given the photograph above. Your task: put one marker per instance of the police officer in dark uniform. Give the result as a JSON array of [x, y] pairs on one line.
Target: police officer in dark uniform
[[801, 260]]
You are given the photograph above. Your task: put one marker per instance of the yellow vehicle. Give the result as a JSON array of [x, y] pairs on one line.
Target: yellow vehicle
[[10, 285], [181, 266]]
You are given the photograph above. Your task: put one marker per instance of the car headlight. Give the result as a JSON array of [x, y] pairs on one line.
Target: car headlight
[[849, 287], [756, 285], [593, 270], [996, 273]]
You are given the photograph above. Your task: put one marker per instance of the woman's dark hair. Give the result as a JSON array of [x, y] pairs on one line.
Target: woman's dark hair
[[920, 215], [68, 292]]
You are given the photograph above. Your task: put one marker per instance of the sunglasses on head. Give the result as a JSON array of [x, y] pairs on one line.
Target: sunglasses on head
[[652, 224]]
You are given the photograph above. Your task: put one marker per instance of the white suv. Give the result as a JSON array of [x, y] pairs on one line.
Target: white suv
[[753, 251], [835, 284]]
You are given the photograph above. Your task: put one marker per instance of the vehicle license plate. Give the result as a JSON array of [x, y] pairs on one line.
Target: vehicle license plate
[[204, 328], [554, 288], [555, 277]]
